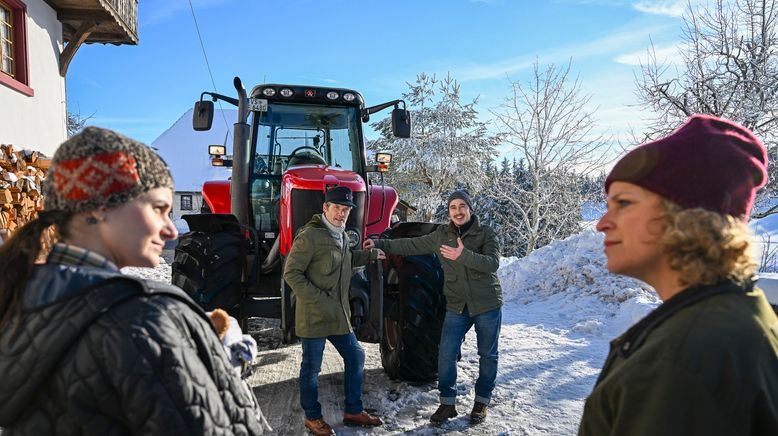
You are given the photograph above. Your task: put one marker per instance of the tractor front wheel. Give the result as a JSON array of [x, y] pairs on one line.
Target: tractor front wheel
[[414, 308], [207, 267]]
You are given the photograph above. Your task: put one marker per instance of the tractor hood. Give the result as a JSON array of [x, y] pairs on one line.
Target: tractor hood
[[321, 177], [302, 196]]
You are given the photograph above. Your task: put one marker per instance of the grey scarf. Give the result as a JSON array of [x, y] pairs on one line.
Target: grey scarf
[[335, 232]]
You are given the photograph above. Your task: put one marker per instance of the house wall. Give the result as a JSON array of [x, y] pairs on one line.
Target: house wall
[[197, 202], [37, 122]]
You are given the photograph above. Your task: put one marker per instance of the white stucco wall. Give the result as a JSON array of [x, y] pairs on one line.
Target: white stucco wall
[[37, 122], [197, 203]]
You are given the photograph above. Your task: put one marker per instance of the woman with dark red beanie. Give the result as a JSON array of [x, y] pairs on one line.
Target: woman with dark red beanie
[[87, 350], [705, 362]]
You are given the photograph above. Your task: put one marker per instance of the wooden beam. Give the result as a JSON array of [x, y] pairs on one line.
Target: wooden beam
[[70, 50], [83, 15]]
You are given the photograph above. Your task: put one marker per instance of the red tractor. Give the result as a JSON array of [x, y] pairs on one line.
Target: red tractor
[[292, 143]]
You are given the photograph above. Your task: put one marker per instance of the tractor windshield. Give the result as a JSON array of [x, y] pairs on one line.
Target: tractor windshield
[[295, 134]]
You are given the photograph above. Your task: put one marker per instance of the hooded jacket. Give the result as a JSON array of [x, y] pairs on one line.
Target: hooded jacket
[[100, 353], [705, 362], [471, 280]]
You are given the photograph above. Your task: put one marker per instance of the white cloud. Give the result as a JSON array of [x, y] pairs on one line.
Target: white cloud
[[627, 36], [664, 55], [672, 8]]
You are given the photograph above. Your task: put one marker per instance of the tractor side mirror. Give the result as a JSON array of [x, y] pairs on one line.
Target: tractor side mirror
[[202, 117], [401, 123]]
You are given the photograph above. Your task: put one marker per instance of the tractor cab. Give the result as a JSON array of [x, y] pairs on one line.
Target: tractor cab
[[305, 142]]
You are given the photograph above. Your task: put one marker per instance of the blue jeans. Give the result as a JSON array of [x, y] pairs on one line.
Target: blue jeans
[[354, 361], [455, 326]]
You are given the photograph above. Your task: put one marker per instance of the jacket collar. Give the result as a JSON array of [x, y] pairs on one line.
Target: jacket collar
[[627, 343], [316, 221], [475, 227]]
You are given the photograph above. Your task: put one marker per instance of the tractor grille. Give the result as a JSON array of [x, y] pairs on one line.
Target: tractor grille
[[306, 203]]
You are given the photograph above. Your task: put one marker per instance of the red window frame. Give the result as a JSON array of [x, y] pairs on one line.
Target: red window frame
[[21, 82]]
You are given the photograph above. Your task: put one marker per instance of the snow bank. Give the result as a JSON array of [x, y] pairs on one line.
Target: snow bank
[[570, 276]]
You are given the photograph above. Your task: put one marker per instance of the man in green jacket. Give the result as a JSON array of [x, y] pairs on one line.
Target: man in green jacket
[[318, 269], [470, 258]]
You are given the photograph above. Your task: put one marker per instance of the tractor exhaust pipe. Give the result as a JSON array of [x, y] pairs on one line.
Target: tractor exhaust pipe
[[239, 185]]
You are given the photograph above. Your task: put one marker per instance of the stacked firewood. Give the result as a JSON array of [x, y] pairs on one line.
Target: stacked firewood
[[22, 172]]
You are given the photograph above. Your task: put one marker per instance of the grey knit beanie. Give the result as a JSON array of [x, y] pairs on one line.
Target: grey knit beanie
[[462, 195], [101, 168]]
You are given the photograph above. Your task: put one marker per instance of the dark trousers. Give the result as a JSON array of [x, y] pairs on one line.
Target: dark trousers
[[354, 361]]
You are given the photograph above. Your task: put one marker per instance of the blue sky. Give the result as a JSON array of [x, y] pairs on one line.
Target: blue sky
[[373, 46]]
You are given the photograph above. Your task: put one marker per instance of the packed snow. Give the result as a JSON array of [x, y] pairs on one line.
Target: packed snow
[[562, 307]]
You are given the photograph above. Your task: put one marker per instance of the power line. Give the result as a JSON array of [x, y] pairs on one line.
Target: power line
[[208, 65]]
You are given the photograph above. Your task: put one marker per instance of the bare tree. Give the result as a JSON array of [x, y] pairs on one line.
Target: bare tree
[[75, 122], [551, 128], [447, 147], [729, 69]]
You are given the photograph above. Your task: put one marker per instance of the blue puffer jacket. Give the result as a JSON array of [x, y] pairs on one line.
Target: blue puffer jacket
[[99, 353]]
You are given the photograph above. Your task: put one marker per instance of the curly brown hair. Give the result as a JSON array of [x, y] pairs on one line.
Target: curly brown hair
[[707, 247]]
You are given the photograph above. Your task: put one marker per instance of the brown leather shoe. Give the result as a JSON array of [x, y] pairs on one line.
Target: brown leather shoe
[[362, 418], [478, 414], [318, 427]]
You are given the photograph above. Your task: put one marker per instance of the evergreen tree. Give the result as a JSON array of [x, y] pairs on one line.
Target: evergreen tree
[[447, 148]]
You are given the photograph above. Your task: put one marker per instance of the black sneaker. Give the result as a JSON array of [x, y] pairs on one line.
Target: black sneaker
[[444, 412], [478, 414]]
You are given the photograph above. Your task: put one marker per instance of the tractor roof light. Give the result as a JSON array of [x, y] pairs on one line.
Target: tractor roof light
[[383, 158], [217, 150], [286, 92], [268, 92], [349, 96], [332, 95]]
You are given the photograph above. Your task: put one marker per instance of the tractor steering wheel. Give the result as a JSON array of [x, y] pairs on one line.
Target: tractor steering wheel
[[316, 155], [303, 148]]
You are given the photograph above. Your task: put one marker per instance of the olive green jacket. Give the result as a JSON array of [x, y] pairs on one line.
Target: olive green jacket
[[471, 279], [703, 363], [319, 273]]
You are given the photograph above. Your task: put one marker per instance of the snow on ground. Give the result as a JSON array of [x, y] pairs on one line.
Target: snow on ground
[[561, 309]]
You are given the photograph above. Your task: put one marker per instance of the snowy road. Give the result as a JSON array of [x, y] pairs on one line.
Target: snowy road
[[543, 377], [561, 309]]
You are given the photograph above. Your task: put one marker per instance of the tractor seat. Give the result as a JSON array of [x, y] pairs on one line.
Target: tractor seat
[[306, 159]]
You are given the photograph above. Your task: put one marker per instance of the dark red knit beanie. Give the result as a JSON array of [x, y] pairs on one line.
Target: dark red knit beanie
[[708, 162]]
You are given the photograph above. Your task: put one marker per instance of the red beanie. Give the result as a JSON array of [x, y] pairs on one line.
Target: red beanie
[[708, 162]]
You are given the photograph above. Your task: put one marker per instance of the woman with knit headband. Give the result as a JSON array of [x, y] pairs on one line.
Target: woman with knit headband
[[87, 350], [705, 362]]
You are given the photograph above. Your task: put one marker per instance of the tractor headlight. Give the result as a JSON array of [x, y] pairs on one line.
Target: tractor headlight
[[353, 238]]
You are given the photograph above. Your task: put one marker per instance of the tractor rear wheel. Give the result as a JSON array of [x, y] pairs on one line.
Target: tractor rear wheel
[[414, 309], [207, 266]]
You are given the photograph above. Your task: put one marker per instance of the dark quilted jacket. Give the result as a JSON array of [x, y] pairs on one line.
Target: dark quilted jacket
[[98, 353]]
